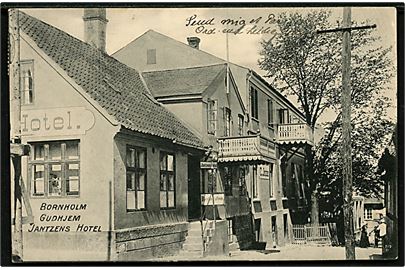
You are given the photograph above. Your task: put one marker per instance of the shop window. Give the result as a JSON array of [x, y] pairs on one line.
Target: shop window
[[368, 213], [228, 180], [136, 178], [270, 114], [55, 169], [212, 116], [240, 125], [27, 81], [228, 122], [254, 103], [167, 180], [151, 56]]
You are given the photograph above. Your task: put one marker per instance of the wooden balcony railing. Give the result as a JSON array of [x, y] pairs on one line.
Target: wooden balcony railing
[[295, 133], [245, 147]]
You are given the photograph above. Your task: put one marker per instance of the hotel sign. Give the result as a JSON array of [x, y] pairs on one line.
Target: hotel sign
[[208, 165], [56, 121], [264, 171], [218, 199]]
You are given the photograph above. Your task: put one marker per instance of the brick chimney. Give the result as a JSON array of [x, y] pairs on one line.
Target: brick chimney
[[194, 42], [95, 24]]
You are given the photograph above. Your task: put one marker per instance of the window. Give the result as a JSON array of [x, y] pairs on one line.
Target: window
[[255, 187], [240, 125], [242, 181], [228, 122], [368, 214], [228, 180], [167, 180], [212, 116], [151, 56], [254, 105], [27, 82], [271, 183], [54, 169], [136, 178], [283, 116], [270, 116]]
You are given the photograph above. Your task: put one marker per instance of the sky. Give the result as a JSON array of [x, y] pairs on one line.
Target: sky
[[126, 24]]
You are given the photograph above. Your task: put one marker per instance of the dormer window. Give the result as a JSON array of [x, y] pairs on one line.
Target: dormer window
[[151, 56], [27, 82]]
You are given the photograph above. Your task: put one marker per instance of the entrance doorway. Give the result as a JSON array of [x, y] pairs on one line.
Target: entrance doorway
[[194, 193], [274, 230]]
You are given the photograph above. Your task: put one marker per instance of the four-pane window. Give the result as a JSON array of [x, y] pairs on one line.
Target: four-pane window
[[136, 178], [55, 169], [167, 180], [27, 82], [212, 116], [240, 125], [228, 122]]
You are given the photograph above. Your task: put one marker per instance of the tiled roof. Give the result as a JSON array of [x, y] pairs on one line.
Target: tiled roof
[[183, 81], [114, 86]]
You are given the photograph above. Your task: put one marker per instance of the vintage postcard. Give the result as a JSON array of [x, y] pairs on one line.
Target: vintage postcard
[[222, 133]]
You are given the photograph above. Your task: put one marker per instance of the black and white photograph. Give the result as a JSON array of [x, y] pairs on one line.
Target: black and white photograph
[[202, 133]]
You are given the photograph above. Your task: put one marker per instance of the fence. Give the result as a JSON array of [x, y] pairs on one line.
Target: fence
[[311, 234]]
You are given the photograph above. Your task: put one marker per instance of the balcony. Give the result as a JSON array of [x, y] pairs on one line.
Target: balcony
[[252, 148], [296, 133]]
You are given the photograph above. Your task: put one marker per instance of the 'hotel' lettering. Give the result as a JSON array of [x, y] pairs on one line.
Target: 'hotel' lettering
[[36, 124]]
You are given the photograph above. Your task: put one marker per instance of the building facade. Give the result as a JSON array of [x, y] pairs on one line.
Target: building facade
[[257, 136], [107, 175]]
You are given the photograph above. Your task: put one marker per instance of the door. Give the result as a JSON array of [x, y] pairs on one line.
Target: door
[[274, 230], [194, 194]]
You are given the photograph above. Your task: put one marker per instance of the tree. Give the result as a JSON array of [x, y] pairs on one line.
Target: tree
[[308, 66]]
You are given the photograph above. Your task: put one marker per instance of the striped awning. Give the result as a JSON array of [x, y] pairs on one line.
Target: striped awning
[[256, 159]]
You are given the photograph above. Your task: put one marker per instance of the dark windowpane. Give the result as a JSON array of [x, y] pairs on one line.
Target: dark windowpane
[[130, 157], [39, 152], [72, 150], [171, 182], [141, 159], [55, 151], [163, 182]]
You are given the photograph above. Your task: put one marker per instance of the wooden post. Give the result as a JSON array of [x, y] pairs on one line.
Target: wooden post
[[346, 128], [15, 107]]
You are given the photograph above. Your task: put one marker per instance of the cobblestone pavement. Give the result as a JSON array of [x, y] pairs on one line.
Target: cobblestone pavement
[[289, 253]]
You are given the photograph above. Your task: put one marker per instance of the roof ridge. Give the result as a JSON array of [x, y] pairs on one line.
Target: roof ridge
[[178, 41], [113, 85], [184, 68]]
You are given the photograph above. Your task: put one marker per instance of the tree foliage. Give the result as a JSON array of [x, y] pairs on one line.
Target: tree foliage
[[307, 65]]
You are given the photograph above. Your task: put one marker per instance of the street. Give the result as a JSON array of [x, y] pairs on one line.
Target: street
[[291, 252]]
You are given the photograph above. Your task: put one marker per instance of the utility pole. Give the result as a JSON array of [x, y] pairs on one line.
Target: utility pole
[[346, 148], [346, 128]]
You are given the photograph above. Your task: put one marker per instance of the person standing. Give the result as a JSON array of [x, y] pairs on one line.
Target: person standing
[[383, 230], [364, 243], [376, 232]]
